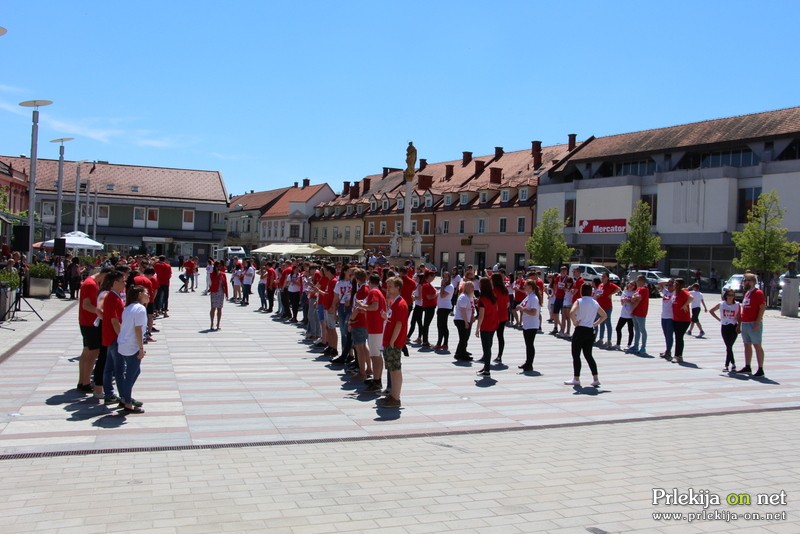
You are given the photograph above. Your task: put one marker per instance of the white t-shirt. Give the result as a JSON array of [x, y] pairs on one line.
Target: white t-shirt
[[295, 282], [727, 312], [237, 280], [343, 289], [697, 299], [666, 304], [445, 302], [465, 308], [456, 281], [418, 295], [627, 307], [568, 293], [249, 275], [132, 316], [529, 322], [587, 311]]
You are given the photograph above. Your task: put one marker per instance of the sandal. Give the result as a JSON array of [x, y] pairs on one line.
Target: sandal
[[135, 409]]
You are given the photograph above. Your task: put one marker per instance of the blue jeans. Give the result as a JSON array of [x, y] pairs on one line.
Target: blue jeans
[[606, 326], [639, 330], [262, 294], [127, 372], [344, 318], [108, 370], [669, 333]]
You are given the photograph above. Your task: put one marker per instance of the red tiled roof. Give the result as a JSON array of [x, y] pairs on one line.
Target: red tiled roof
[[294, 194], [258, 200], [732, 129], [152, 182]]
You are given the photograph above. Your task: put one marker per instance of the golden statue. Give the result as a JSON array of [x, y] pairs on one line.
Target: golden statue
[[411, 161]]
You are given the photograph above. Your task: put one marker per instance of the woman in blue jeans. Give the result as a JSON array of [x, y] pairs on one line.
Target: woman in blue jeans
[[606, 291], [130, 347]]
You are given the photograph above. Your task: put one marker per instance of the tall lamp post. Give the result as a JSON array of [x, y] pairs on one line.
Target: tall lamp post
[[60, 188], [76, 215], [2, 31], [35, 104]]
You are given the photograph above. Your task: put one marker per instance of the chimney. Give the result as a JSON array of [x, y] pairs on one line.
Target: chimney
[[424, 182], [230, 196], [466, 158], [295, 184], [346, 188], [571, 145], [536, 152], [498, 152], [479, 166], [251, 191], [385, 173], [495, 175], [423, 163], [448, 171], [366, 185], [306, 182], [354, 190]]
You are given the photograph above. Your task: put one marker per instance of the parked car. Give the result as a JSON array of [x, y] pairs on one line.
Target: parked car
[[780, 291], [653, 279], [690, 277], [590, 271], [735, 283]]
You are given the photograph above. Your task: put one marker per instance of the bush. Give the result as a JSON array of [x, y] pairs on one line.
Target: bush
[[42, 270], [9, 279]]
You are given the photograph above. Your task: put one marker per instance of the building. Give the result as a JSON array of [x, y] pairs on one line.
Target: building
[[14, 188], [699, 179], [287, 220], [244, 214], [166, 211]]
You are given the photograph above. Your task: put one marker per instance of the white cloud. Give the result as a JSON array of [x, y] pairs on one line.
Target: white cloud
[[11, 89], [84, 128], [14, 108]]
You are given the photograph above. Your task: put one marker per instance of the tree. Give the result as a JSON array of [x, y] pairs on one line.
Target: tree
[[641, 248], [547, 245], [762, 244]]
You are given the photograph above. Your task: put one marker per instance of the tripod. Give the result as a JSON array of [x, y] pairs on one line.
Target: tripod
[[17, 307]]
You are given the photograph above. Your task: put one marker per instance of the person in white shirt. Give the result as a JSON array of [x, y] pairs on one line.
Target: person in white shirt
[[697, 301], [731, 316], [530, 317], [248, 277], [130, 346], [444, 305], [626, 315], [586, 314], [463, 318], [666, 317]]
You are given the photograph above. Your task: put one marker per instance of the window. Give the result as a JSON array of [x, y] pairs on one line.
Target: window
[[188, 220], [216, 218], [747, 197], [371, 228], [385, 204], [413, 227], [360, 209], [448, 199], [138, 217], [521, 225], [428, 201], [335, 233], [102, 214], [414, 202], [445, 227], [294, 230], [400, 203], [316, 235], [484, 197], [134, 188], [48, 211], [742, 157], [523, 194], [464, 199], [444, 260], [481, 226], [569, 212], [373, 205], [347, 234], [86, 213], [398, 226], [504, 195], [501, 259], [283, 229], [644, 167], [349, 210], [461, 258], [358, 234], [426, 227], [325, 234], [152, 217], [503, 224], [461, 226], [337, 211], [383, 227], [652, 201]]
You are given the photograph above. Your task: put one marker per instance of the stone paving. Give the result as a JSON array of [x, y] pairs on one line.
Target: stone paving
[[247, 430]]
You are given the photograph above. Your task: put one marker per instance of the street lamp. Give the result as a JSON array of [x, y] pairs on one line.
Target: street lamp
[[77, 194], [60, 180], [35, 104], [2, 31]]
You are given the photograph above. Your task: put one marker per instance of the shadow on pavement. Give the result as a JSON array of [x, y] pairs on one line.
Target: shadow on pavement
[[387, 414], [589, 390], [111, 420], [67, 397], [485, 382], [531, 373]]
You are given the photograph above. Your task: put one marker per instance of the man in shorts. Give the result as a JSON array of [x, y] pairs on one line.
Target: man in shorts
[[375, 307], [90, 330], [558, 302], [752, 325], [358, 326], [394, 339]]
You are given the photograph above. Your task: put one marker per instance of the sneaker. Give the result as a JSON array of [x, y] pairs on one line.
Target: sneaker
[[725, 370], [677, 359], [595, 383], [701, 334], [617, 347], [483, 373], [388, 402], [666, 355], [375, 387], [498, 360], [554, 332], [443, 347], [340, 360], [642, 351], [760, 372], [572, 382], [744, 370], [112, 399]]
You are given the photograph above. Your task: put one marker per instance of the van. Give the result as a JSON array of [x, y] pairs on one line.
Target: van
[[590, 271], [227, 252]]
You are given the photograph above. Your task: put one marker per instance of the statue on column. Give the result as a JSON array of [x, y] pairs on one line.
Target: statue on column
[[411, 161], [417, 248], [394, 244]]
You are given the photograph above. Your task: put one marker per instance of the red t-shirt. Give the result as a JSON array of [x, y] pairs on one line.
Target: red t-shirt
[[156, 286], [112, 308], [360, 318], [328, 286], [271, 278], [89, 290], [606, 291], [398, 314], [540, 285], [143, 281], [407, 291], [577, 288], [502, 305], [163, 271], [189, 267], [489, 323], [560, 286], [429, 298], [681, 312], [374, 318], [644, 303], [519, 290], [751, 305]]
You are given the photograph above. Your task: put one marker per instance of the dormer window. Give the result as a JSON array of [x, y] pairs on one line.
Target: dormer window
[[428, 201], [134, 188], [109, 187], [359, 209], [327, 211], [484, 197], [464, 199], [373, 205], [504, 195], [448, 199], [400, 203], [349, 210], [385, 204], [337, 211], [523, 194], [415, 202]]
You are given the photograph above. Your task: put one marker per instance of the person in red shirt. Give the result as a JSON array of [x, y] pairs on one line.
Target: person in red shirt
[[164, 273], [218, 291], [87, 315], [752, 325], [681, 316], [407, 292], [375, 307], [560, 281], [111, 306], [577, 284], [607, 290], [641, 305], [271, 276], [188, 275], [358, 326], [501, 295], [394, 339], [283, 292], [429, 300], [487, 323], [145, 281], [326, 300], [519, 296]]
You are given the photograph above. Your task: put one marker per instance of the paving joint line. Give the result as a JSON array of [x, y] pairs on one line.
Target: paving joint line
[[13, 350]]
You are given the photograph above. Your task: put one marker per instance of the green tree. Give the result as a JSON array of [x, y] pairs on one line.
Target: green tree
[[762, 244], [547, 245], [641, 248]]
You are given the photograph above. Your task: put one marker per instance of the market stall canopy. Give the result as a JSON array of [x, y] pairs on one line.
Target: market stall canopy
[[77, 240], [334, 251], [291, 249]]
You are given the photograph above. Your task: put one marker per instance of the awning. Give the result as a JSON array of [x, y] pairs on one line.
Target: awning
[[157, 239], [77, 240], [334, 251], [292, 249]]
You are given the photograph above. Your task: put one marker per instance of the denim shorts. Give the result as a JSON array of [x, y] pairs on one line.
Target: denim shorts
[[359, 335], [330, 319], [751, 336]]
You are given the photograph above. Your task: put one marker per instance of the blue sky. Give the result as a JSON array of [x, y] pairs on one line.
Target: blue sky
[[270, 93]]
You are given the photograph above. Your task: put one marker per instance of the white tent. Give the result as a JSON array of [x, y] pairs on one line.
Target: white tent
[[77, 240]]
